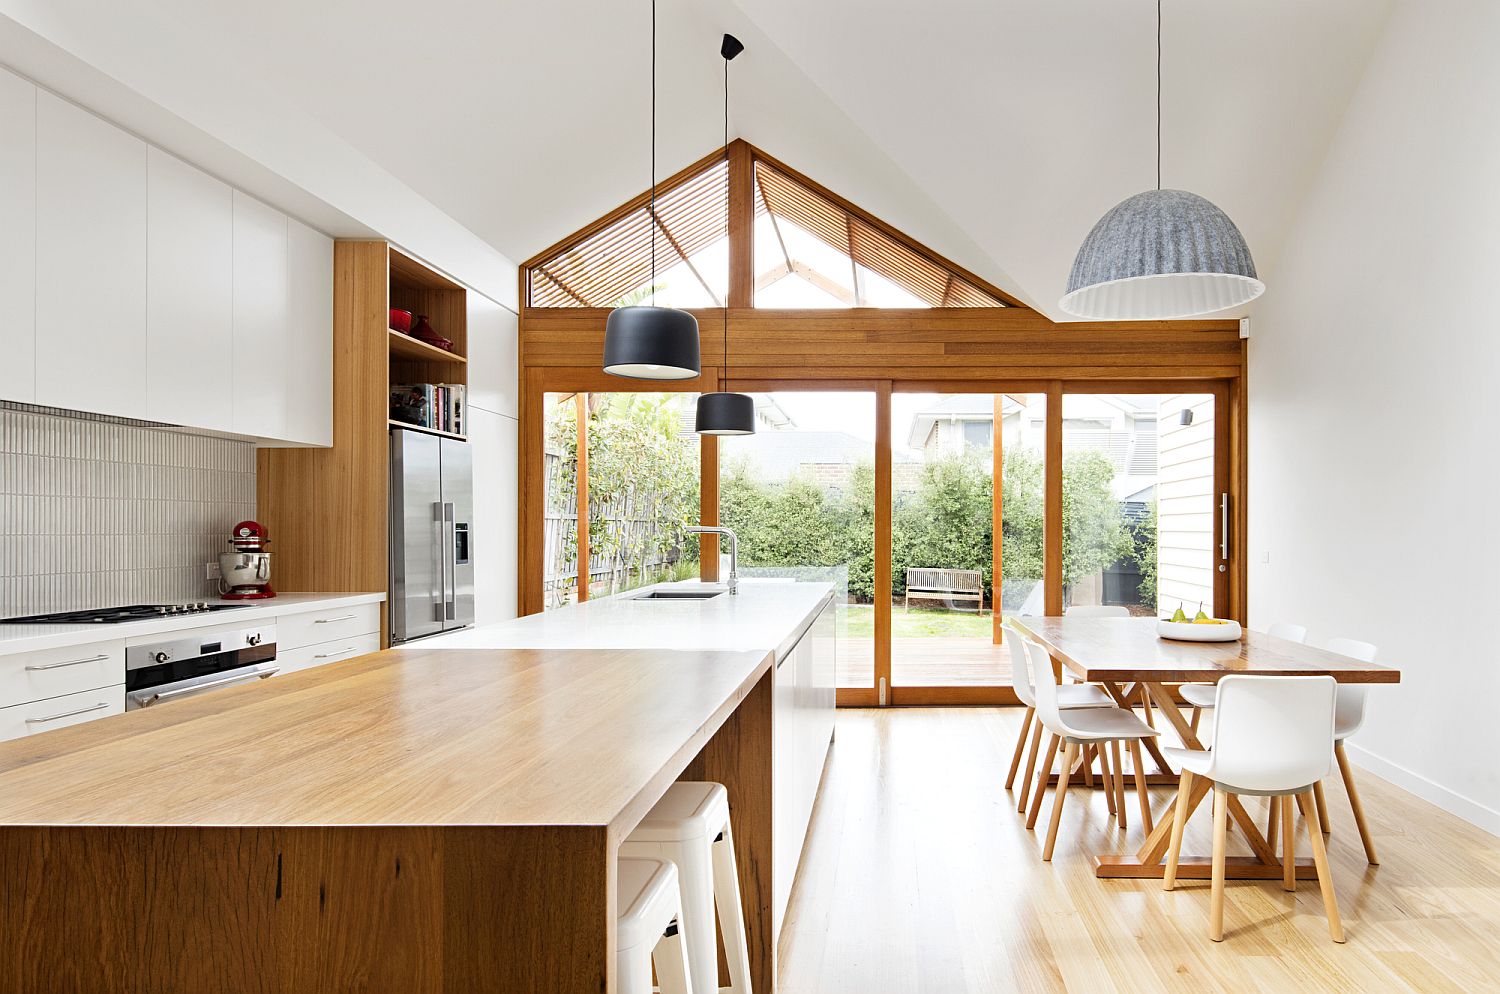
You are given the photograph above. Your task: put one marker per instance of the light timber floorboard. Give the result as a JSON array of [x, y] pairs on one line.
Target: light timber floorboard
[[920, 878]]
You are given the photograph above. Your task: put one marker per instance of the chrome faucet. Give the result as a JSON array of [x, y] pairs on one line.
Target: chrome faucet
[[734, 550]]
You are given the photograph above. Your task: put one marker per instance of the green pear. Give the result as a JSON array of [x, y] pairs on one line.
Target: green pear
[[1200, 616], [1180, 616]]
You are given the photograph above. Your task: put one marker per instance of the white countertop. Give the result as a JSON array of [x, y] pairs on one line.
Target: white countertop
[[766, 614], [30, 638]]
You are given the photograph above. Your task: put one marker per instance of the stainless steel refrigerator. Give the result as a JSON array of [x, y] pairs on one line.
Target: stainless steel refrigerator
[[432, 544]]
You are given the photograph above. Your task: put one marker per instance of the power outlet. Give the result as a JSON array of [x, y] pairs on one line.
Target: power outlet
[[211, 571]]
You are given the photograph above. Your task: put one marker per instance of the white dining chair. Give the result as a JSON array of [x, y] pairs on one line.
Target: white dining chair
[[1273, 736], [1348, 719], [1096, 611], [1201, 695], [1078, 695], [1073, 729]]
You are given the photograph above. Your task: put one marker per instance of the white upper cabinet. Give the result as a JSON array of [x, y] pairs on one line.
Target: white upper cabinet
[[139, 286], [261, 333], [309, 388], [90, 262], [493, 369], [189, 294], [18, 238]]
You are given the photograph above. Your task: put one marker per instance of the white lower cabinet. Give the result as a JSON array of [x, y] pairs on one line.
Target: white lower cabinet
[[54, 688], [802, 727], [294, 631], [308, 656], [59, 712]]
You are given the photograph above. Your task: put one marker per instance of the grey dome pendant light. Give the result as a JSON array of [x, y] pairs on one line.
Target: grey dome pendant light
[[726, 413], [1161, 255], [650, 342]]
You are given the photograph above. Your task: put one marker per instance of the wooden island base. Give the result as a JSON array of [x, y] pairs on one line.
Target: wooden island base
[[451, 826]]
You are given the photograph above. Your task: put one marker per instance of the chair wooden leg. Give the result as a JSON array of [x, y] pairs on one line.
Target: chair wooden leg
[[1325, 876], [1057, 803], [1049, 759], [1142, 795], [1108, 777], [1179, 822], [1288, 844], [1216, 893], [1359, 809], [1119, 784], [1322, 804], [1036, 745], [1273, 821], [1193, 723], [1087, 763], [1015, 761]]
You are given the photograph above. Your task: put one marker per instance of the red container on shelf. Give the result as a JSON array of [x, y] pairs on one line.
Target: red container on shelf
[[401, 320]]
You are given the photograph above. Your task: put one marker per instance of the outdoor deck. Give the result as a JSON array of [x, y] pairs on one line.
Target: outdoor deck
[[934, 661]]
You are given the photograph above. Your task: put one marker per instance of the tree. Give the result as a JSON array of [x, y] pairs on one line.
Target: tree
[[643, 480], [1094, 532], [1144, 550]]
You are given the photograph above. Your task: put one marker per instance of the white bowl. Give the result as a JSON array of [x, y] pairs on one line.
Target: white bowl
[[1186, 631]]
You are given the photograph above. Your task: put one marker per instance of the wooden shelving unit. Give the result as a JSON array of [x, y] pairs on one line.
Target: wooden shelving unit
[[392, 422], [327, 508], [405, 348]]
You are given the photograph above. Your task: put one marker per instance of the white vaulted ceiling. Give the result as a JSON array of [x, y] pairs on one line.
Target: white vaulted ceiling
[[996, 132]]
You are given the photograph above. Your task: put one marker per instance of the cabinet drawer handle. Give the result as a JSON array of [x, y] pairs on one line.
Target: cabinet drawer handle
[[34, 667], [65, 714], [339, 652], [329, 621]]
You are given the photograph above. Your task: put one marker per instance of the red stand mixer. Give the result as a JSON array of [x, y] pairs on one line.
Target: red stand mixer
[[245, 573]]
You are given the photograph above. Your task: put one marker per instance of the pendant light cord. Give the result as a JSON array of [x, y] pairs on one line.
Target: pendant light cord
[[653, 152], [1158, 95], [724, 366]]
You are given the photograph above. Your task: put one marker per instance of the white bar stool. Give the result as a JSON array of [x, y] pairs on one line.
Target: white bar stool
[[690, 827], [649, 908]]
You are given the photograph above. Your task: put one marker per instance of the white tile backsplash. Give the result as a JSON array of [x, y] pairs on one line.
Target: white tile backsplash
[[96, 512]]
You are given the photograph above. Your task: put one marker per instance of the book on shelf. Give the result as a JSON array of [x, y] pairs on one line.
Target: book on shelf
[[439, 406]]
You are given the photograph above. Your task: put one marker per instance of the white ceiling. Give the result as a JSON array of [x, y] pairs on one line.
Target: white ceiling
[[996, 132]]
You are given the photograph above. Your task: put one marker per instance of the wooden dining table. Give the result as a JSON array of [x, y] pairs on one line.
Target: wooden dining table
[[1122, 654]]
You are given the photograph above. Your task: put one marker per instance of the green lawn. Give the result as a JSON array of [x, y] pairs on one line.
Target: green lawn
[[919, 623]]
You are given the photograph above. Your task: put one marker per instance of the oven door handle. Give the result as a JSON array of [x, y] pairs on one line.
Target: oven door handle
[[146, 700]]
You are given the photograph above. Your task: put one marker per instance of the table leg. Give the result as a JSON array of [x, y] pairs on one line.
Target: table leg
[[1162, 765]]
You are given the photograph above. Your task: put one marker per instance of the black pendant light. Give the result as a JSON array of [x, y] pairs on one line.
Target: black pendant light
[[726, 413], [650, 342]]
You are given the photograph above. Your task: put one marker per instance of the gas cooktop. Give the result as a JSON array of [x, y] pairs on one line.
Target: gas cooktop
[[115, 615]]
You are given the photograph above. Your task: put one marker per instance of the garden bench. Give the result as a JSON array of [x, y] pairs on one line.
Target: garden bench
[[947, 585]]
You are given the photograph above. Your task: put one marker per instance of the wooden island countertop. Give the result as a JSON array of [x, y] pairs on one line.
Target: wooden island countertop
[[416, 819]]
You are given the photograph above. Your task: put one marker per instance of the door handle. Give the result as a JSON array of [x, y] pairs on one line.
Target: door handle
[[1224, 527]]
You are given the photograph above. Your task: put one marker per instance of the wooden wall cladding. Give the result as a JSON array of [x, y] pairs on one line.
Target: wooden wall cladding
[[959, 344]]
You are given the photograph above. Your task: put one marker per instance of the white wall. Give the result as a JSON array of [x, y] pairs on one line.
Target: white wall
[[1373, 367]]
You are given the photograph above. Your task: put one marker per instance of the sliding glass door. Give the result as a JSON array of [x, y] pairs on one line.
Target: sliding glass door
[[800, 496], [1142, 502]]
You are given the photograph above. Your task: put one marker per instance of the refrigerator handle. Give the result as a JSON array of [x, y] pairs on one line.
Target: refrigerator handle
[[450, 587], [439, 610]]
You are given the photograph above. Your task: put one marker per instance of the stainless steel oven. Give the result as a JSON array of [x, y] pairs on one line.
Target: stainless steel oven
[[192, 663]]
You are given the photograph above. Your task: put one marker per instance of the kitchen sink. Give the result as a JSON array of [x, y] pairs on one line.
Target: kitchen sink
[[678, 595]]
